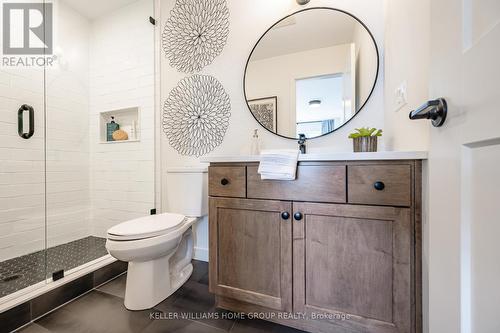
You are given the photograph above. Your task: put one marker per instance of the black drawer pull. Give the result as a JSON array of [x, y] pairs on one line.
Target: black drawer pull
[[224, 181], [297, 216], [285, 215], [379, 186]]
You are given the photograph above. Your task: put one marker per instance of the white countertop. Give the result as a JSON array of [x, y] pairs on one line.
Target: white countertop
[[349, 156]]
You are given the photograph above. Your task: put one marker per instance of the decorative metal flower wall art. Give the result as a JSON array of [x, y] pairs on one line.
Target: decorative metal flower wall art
[[195, 33], [196, 115]]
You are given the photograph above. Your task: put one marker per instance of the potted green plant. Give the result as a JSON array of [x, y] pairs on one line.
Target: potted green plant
[[365, 139]]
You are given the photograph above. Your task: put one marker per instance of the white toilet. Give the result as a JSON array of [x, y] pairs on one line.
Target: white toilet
[[159, 248]]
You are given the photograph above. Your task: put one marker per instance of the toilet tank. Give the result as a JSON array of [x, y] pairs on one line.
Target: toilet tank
[[187, 191]]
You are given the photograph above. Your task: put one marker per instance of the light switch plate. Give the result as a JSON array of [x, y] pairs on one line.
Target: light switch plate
[[401, 96]]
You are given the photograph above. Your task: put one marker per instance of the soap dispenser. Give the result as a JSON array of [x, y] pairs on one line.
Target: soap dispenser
[[110, 128], [255, 147]]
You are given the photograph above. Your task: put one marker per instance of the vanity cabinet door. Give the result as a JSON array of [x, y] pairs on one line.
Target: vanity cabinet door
[[251, 251], [356, 261]]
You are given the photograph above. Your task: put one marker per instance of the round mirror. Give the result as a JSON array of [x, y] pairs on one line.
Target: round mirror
[[311, 73]]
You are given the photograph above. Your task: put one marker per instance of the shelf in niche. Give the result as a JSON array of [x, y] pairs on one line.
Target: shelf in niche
[[126, 118], [122, 141]]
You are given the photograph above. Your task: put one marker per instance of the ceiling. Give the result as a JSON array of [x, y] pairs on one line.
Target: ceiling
[[93, 9], [328, 89], [311, 29]]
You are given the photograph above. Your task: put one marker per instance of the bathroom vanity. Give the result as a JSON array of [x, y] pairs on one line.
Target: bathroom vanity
[[336, 250]]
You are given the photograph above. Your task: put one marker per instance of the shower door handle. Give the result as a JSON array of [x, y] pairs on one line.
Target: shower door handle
[[20, 121]]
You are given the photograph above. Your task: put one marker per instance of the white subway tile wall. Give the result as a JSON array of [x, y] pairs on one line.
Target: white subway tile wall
[[67, 103], [122, 76], [22, 223]]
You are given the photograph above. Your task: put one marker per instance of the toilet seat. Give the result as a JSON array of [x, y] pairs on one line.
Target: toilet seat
[[146, 227]]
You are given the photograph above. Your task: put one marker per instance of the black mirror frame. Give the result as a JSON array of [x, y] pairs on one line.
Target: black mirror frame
[[284, 18]]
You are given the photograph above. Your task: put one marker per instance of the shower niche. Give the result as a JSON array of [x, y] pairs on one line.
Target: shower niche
[[127, 121]]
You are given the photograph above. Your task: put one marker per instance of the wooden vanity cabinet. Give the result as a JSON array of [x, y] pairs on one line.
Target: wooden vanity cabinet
[[350, 262], [251, 251], [354, 260]]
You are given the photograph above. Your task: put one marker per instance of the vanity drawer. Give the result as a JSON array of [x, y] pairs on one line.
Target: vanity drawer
[[227, 181], [313, 183], [387, 185]]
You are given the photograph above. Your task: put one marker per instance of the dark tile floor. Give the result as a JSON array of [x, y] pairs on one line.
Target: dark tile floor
[[24, 271], [102, 311]]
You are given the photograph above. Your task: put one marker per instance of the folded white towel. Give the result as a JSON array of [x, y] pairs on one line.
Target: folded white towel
[[278, 164]]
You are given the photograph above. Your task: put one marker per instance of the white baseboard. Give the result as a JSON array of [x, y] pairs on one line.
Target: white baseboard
[[201, 253]]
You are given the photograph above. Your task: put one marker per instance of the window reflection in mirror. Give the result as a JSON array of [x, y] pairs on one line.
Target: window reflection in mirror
[[320, 104], [320, 63]]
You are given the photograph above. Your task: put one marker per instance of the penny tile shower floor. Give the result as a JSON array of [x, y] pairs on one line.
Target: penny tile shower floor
[[24, 271]]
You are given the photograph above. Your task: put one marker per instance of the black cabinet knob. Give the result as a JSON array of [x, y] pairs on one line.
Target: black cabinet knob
[[379, 186], [285, 215], [224, 181], [297, 216]]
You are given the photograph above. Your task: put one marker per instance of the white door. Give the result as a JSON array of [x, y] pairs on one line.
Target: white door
[[464, 169]]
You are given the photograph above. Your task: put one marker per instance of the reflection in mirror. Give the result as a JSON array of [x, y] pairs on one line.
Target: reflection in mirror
[[319, 65]]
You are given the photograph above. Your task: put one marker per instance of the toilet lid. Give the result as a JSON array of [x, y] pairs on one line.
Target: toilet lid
[[146, 227]]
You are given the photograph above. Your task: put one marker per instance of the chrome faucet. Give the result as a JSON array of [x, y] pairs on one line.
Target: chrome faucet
[[302, 143]]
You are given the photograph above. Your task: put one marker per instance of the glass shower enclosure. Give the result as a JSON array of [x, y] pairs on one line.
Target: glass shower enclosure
[[77, 134]]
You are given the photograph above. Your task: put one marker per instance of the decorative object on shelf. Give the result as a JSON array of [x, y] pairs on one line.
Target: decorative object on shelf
[[195, 33], [365, 139], [120, 135], [196, 115], [265, 110], [111, 127], [255, 146], [128, 119]]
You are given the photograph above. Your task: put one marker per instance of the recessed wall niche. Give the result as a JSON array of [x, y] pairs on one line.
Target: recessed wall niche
[[128, 120]]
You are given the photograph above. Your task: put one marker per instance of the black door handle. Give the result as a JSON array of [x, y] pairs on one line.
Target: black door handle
[[224, 181], [435, 110], [20, 121], [297, 216], [285, 215]]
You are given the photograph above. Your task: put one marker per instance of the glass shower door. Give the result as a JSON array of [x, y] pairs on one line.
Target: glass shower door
[[69, 241], [22, 179]]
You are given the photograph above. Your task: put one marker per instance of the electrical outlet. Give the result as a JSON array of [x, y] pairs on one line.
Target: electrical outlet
[[401, 96]]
